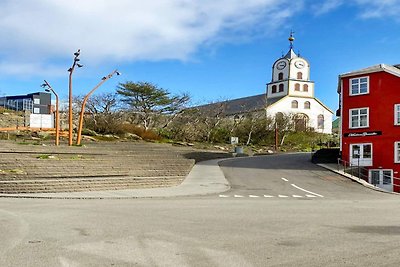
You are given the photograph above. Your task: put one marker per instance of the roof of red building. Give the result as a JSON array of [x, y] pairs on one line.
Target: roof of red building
[[376, 68]]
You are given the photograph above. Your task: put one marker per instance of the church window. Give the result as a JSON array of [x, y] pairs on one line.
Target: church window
[[321, 121], [301, 122], [307, 105], [280, 76], [279, 116], [295, 104], [299, 75], [281, 87], [273, 90], [297, 87], [305, 87]]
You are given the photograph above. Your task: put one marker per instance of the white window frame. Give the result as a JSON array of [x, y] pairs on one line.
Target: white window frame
[[359, 118], [361, 160], [396, 114], [359, 85], [36, 101], [36, 110], [397, 152]]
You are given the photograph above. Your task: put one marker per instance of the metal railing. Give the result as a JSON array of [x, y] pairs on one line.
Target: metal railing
[[362, 173]]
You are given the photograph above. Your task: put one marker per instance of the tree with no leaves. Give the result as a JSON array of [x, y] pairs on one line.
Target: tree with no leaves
[[147, 100]]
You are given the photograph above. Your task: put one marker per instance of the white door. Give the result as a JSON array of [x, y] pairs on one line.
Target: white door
[[361, 154], [382, 179]]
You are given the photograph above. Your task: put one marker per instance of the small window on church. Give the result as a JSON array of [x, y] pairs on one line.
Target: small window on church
[[305, 88], [307, 105], [297, 87], [273, 90], [299, 75], [321, 121], [295, 104], [281, 87], [280, 76]]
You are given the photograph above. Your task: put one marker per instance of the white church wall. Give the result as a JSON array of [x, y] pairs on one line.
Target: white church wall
[[293, 92], [285, 106]]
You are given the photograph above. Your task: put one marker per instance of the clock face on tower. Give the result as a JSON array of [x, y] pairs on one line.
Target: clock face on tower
[[299, 64], [281, 65]]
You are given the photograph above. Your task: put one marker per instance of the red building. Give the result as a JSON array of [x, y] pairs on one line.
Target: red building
[[370, 122]]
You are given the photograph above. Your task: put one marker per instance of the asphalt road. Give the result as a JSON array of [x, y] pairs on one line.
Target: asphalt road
[[262, 221]]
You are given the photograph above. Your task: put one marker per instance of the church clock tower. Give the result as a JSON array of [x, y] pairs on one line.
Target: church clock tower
[[290, 76]]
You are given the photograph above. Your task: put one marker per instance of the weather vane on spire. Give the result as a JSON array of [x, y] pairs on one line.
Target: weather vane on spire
[[291, 39]]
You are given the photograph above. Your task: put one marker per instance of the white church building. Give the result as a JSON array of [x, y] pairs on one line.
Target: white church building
[[290, 93]]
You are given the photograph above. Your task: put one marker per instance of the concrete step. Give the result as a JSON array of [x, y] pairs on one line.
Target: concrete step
[[93, 184]]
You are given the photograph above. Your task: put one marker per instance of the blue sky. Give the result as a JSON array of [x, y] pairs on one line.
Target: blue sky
[[212, 49]]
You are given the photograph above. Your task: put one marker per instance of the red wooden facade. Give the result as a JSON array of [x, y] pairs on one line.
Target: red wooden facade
[[370, 123]]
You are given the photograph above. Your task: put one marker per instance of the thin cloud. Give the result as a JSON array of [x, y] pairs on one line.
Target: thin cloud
[[379, 8], [36, 32], [327, 6], [368, 9]]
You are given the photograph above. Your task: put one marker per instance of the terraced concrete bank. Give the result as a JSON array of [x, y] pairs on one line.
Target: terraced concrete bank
[[95, 167]]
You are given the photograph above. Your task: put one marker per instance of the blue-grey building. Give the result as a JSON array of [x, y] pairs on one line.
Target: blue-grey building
[[36, 103]]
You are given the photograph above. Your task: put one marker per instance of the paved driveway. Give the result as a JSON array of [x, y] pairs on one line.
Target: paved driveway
[[344, 224]]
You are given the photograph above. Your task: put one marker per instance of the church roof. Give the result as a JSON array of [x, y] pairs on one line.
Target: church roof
[[237, 106], [240, 105], [291, 54]]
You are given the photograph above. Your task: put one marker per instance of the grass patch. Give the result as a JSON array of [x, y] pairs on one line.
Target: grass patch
[[46, 156]]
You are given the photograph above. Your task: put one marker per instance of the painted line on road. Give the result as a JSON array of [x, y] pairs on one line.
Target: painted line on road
[[237, 196], [297, 196], [282, 196], [286, 180], [310, 196], [268, 196], [302, 189], [223, 196], [253, 196]]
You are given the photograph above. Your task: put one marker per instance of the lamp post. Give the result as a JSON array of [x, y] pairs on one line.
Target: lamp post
[[71, 70], [48, 89], [103, 80]]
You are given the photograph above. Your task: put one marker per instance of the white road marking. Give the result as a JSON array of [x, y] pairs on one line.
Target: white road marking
[[223, 196], [310, 196], [282, 196], [286, 180], [238, 196], [268, 196], [253, 196], [302, 189], [297, 196]]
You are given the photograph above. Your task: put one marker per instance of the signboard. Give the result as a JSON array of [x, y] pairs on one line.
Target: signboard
[[234, 140], [41, 121], [362, 134]]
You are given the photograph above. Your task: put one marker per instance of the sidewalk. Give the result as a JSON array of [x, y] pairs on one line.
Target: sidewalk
[[205, 178], [334, 167]]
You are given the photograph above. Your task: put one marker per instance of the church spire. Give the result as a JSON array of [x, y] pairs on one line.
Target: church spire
[[291, 54], [291, 39]]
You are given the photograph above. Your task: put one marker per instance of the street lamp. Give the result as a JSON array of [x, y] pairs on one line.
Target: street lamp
[[48, 88], [103, 80], [71, 70]]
